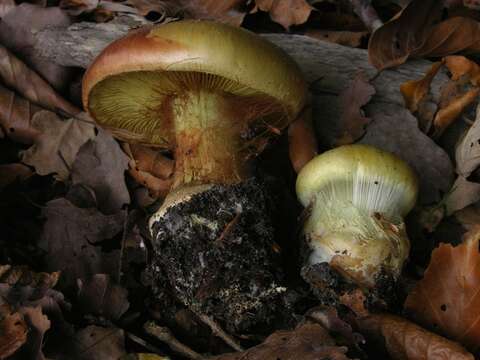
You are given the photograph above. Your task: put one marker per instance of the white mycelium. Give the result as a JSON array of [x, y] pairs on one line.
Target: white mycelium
[[358, 196]]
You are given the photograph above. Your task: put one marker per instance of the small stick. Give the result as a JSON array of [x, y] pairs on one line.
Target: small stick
[[228, 229], [165, 335], [218, 331]]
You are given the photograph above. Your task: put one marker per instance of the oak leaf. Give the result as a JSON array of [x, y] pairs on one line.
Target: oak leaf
[[447, 299], [353, 98], [54, 151], [406, 341], [307, 342]]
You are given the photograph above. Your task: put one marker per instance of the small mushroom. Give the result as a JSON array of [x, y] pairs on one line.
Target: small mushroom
[[358, 196], [212, 95]]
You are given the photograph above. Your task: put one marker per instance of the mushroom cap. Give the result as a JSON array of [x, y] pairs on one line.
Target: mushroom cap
[[365, 176], [130, 86]]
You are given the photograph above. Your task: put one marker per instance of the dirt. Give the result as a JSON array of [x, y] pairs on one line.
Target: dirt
[[216, 253]]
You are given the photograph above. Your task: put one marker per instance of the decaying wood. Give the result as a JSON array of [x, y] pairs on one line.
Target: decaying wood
[[329, 68]]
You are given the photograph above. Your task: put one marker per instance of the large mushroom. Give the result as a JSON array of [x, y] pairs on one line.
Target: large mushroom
[[212, 95]]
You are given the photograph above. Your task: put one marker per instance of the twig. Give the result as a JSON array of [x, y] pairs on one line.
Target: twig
[[164, 335], [218, 331], [143, 343], [366, 13], [228, 229]]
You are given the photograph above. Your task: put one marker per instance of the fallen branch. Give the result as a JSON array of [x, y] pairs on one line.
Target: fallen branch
[[164, 335]]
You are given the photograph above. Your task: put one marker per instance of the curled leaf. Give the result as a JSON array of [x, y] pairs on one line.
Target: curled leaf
[[406, 341], [448, 297]]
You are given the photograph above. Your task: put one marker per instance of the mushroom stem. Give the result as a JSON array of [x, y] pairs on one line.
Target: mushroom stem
[[207, 140], [358, 243]]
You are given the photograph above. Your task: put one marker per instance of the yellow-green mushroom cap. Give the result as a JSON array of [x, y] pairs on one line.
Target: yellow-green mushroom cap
[[375, 179], [130, 86]]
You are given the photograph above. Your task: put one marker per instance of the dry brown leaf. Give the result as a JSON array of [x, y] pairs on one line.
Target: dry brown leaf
[[447, 299], [96, 343], [71, 236], [78, 7], [27, 83], [463, 193], [23, 276], [302, 142], [393, 43], [101, 164], [285, 12], [346, 38], [18, 33], [100, 295], [6, 6], [10, 173], [467, 153], [460, 66], [414, 91], [54, 151], [38, 324], [13, 331], [150, 168], [16, 115], [406, 341], [448, 114], [352, 99], [306, 342]]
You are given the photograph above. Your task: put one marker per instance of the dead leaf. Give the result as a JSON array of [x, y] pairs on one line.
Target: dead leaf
[[414, 91], [391, 44], [285, 12], [463, 193], [150, 168], [101, 164], [447, 299], [302, 142], [54, 151], [10, 173], [78, 7], [39, 324], [346, 38], [17, 33], [469, 217], [352, 99], [19, 77], [71, 237], [16, 115], [406, 341], [306, 342], [397, 131], [467, 153], [446, 115], [6, 6], [460, 66], [13, 331], [96, 343], [23, 276], [100, 295]]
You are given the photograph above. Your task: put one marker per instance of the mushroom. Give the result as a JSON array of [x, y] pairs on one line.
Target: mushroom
[[212, 95], [358, 196]]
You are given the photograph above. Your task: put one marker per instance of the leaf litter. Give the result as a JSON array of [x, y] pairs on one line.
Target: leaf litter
[[87, 228]]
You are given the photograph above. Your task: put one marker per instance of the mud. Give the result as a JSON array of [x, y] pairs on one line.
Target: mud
[[216, 253]]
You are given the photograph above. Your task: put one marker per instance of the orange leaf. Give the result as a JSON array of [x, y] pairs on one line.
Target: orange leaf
[[414, 91], [302, 143], [448, 296], [405, 340], [460, 66], [286, 12], [446, 115]]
